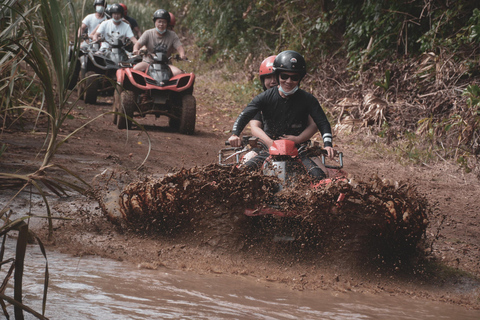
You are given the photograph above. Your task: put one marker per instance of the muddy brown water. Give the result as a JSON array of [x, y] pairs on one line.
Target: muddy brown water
[[91, 287]]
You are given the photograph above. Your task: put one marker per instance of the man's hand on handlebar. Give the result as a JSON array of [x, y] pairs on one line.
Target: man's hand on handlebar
[[142, 51], [235, 141], [330, 151]]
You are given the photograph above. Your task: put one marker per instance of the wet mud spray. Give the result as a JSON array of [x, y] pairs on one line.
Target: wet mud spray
[[376, 217]]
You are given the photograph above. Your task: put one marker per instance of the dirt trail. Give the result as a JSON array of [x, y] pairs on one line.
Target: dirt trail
[[102, 152]]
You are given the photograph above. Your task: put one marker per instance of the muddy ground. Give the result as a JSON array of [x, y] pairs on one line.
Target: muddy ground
[[448, 270]]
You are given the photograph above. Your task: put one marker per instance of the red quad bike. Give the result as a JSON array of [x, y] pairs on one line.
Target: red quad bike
[[156, 92], [284, 163]]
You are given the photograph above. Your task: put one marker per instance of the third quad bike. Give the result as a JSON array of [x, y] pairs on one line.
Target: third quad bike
[[155, 91]]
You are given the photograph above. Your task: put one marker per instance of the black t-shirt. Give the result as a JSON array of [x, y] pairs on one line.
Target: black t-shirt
[[285, 115], [133, 23]]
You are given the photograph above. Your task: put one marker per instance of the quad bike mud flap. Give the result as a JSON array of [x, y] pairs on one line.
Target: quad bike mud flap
[[159, 97]]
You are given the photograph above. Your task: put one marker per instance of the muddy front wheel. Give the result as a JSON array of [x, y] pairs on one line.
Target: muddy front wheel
[[81, 85], [116, 103], [127, 108], [188, 115]]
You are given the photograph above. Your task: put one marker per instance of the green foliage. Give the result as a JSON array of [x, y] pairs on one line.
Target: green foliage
[[35, 43], [472, 92], [385, 84], [365, 30]]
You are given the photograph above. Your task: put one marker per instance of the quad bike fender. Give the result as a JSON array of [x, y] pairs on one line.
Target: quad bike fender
[[283, 147], [183, 81], [120, 76], [144, 82]]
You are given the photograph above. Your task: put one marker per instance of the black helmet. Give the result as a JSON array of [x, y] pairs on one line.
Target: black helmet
[[99, 3], [116, 8], [161, 14], [107, 12], [290, 61]]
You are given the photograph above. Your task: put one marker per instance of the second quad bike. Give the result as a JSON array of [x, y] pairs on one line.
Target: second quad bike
[[93, 62], [155, 91]]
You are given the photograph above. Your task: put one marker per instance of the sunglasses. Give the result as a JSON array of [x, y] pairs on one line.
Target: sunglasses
[[294, 77]]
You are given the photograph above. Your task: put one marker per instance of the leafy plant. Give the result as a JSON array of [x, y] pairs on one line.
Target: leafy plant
[[472, 92], [385, 84], [38, 35]]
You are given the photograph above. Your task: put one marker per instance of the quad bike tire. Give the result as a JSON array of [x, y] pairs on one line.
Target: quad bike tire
[[92, 84], [116, 102], [76, 72], [81, 85], [126, 106], [188, 115]]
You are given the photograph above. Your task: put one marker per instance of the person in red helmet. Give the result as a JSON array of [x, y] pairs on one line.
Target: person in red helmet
[[285, 112], [267, 74], [171, 25], [159, 36], [133, 23]]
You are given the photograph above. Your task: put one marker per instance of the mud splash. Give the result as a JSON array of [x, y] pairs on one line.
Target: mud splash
[[378, 216]]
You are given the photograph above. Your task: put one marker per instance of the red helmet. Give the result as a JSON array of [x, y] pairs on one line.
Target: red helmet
[[172, 20], [124, 6], [266, 67]]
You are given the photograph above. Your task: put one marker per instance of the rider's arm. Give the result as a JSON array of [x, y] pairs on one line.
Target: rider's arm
[[256, 127], [235, 141], [82, 30], [181, 52], [136, 47], [242, 120], [137, 32], [95, 36], [322, 123], [142, 41], [97, 32], [248, 113], [306, 134]]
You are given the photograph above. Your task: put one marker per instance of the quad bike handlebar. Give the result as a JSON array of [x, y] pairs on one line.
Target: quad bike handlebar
[[250, 142], [177, 58]]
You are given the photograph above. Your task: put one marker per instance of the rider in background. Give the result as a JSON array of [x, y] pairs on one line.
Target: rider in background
[[171, 25], [91, 21], [285, 110], [133, 23], [159, 36], [114, 28]]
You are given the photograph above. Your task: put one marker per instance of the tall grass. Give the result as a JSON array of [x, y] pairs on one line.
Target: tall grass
[[36, 35]]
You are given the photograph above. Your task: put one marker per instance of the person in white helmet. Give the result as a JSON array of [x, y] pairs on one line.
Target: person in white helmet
[[91, 21], [114, 28]]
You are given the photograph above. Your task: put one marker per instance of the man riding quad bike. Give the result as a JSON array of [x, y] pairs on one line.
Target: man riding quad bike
[[155, 91], [114, 35], [154, 86]]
